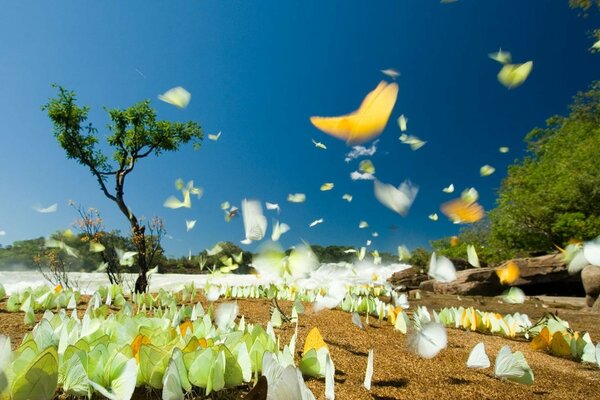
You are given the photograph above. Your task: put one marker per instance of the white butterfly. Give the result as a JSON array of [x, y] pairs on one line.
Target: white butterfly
[[273, 206], [391, 72], [441, 269], [591, 251], [47, 210], [357, 176], [278, 230], [429, 340], [214, 137], [356, 320], [433, 217], [176, 96], [284, 383], [448, 189], [225, 315], [189, 224], [397, 199], [347, 197], [363, 224], [478, 359], [255, 223], [369, 371], [316, 222]]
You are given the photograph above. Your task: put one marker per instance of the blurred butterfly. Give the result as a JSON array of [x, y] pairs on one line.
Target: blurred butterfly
[[347, 197], [461, 211], [366, 167], [278, 230], [357, 176], [326, 186], [273, 206], [214, 137], [365, 123], [472, 256], [441, 269], [503, 57], [514, 75], [189, 224], [508, 273], [316, 222], [503, 149], [397, 199], [514, 295], [402, 121], [296, 198], [232, 212], [486, 170], [414, 142], [433, 217], [319, 144], [255, 223], [363, 224], [403, 253], [176, 96], [369, 371], [391, 72], [429, 340], [448, 189], [47, 210]]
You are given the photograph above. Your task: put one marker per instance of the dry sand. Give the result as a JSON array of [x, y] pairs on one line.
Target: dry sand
[[399, 374]]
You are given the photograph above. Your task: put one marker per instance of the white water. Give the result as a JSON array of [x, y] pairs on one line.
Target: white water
[[88, 282]]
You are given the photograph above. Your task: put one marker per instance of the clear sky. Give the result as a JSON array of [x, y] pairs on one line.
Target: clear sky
[[257, 71]]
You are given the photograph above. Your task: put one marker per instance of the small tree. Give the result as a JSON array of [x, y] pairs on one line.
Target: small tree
[[134, 134]]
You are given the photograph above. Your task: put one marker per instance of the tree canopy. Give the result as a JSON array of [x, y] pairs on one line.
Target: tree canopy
[[134, 134], [552, 196]]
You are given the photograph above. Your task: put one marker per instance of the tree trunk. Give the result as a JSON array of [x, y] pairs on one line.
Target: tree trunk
[[139, 240]]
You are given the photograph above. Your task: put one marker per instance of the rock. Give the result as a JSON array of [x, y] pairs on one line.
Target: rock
[[407, 279], [539, 275], [590, 277]]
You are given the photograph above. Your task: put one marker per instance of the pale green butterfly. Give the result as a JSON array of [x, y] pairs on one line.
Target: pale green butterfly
[[513, 366], [122, 379], [513, 75], [472, 256], [39, 379], [176, 96]]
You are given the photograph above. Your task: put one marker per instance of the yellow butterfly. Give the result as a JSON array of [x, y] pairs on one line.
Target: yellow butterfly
[[327, 186], [314, 340], [513, 75], [365, 123], [542, 340]]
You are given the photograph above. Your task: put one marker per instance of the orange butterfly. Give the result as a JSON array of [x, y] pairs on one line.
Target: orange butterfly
[[508, 273], [461, 211]]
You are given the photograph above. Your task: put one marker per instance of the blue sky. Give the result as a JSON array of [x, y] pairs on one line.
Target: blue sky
[[257, 71]]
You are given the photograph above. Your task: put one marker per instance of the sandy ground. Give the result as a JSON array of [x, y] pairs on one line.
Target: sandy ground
[[399, 374]]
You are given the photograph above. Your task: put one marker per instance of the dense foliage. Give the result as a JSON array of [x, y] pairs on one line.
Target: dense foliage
[[552, 196]]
